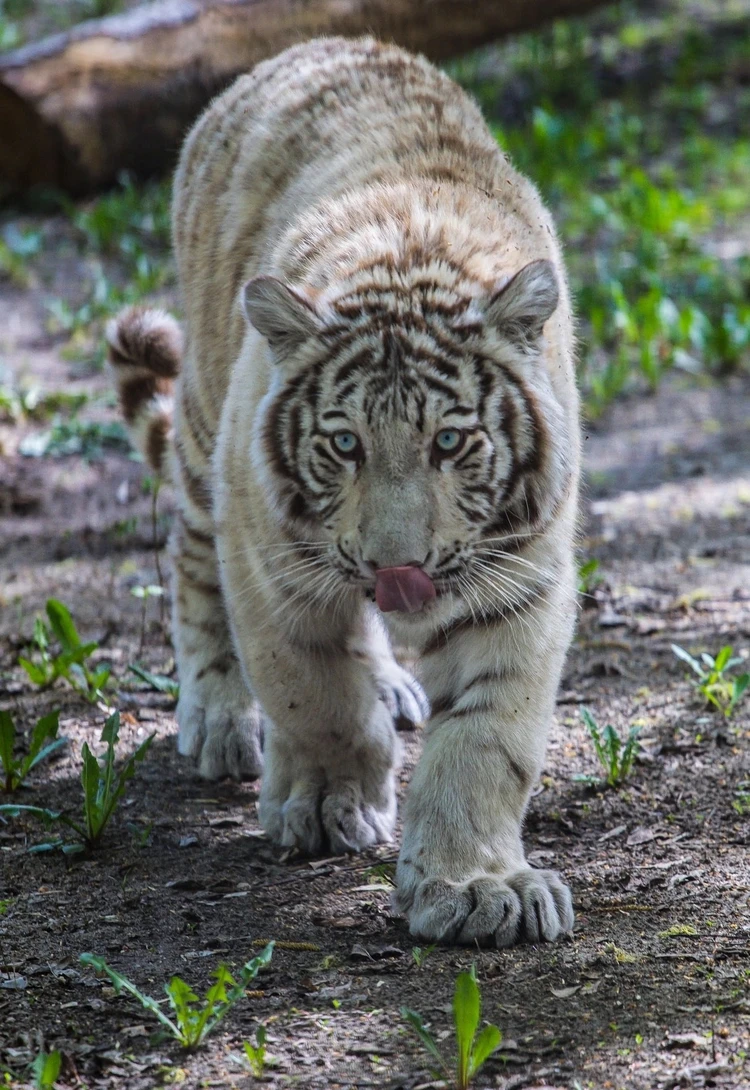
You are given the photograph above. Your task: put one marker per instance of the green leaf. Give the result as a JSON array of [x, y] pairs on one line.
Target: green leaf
[[722, 659], [466, 1012], [111, 730], [181, 999], [46, 1068], [37, 674], [122, 983], [156, 681], [62, 625], [90, 780], [7, 740], [41, 634], [486, 1043], [740, 686], [692, 663], [247, 973], [45, 728], [416, 1023], [47, 816]]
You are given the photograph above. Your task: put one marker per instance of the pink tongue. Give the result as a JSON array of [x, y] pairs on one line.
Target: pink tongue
[[403, 589]]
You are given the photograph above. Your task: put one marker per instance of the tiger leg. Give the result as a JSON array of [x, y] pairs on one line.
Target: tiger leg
[[400, 691], [462, 874], [219, 720], [330, 747]]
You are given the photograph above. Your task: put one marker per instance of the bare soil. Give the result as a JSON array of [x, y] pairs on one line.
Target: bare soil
[[185, 879]]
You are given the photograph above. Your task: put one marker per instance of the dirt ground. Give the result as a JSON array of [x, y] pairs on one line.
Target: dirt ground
[[185, 878]]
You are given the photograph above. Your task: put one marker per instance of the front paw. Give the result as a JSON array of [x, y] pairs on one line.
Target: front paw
[[222, 733], [489, 909], [339, 818], [402, 695]]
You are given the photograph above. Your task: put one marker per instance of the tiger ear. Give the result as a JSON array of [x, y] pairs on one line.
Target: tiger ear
[[284, 315], [520, 308]]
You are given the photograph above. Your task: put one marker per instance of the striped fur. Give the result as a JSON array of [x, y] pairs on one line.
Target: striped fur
[[356, 254]]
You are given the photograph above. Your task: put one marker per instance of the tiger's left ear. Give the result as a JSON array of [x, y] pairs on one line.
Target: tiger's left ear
[[520, 308], [283, 314]]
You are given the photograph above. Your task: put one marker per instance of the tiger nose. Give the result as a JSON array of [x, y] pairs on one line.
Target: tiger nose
[[378, 565]]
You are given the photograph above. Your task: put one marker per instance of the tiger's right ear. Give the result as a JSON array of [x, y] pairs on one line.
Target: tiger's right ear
[[284, 315]]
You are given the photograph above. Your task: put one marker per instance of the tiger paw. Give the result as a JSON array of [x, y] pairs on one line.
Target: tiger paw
[[526, 905], [221, 733], [402, 695]]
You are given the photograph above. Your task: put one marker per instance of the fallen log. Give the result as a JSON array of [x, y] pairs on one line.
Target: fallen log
[[119, 93]]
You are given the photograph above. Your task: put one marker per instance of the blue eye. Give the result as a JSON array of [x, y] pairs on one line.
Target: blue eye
[[346, 444], [449, 440]]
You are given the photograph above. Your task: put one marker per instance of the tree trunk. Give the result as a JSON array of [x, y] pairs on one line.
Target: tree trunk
[[120, 93]]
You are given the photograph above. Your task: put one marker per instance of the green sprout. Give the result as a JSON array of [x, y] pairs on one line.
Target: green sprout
[[714, 684], [46, 1068], [102, 790], [158, 682], [615, 755], [193, 1019], [256, 1054], [420, 954], [16, 771], [71, 661], [588, 576], [472, 1049]]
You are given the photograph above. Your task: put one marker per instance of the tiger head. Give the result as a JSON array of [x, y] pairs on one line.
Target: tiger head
[[410, 424]]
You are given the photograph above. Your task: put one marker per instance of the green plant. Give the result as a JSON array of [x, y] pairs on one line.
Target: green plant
[[193, 1019], [256, 1054], [420, 954], [102, 790], [16, 771], [638, 181], [88, 438], [157, 681], [741, 801], [615, 756], [71, 662], [16, 248], [588, 576], [714, 684], [46, 1068], [472, 1049]]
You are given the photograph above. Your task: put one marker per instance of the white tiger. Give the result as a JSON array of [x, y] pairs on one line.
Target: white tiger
[[375, 428]]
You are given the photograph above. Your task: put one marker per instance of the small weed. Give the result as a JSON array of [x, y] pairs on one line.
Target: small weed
[[381, 872], [16, 771], [256, 1054], [588, 576], [46, 1068], [16, 248], [194, 1020], [472, 1049], [71, 662], [420, 954], [143, 594], [102, 790], [88, 438], [5, 905], [157, 681], [714, 684], [17, 404], [615, 756], [741, 801]]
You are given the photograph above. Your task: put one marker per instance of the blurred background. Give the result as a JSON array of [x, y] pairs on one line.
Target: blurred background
[[633, 119], [633, 122]]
